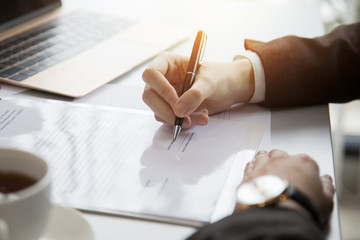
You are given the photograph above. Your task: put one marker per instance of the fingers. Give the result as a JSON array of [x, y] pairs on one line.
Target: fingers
[[280, 163], [161, 63], [248, 171], [199, 118], [275, 153], [160, 94], [193, 98], [162, 78], [163, 111], [329, 191], [260, 157], [299, 169], [328, 186], [167, 62], [158, 85]]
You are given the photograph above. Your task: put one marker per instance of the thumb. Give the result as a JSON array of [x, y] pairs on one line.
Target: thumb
[[328, 190], [193, 98]]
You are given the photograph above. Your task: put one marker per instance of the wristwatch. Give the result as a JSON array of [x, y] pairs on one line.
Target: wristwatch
[[268, 190]]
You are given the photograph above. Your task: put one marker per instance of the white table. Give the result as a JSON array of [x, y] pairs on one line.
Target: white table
[[227, 22]]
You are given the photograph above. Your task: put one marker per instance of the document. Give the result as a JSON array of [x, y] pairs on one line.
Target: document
[[129, 96], [122, 161]]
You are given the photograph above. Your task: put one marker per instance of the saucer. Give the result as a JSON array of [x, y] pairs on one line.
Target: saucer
[[65, 223]]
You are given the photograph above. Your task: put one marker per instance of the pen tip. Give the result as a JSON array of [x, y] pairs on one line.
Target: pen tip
[[177, 130]]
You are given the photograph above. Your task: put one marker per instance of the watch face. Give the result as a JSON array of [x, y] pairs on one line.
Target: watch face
[[261, 190]]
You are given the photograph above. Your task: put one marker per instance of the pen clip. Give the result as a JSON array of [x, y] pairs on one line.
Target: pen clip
[[202, 47]]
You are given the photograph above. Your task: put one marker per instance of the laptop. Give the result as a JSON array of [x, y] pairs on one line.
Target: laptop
[[46, 47]]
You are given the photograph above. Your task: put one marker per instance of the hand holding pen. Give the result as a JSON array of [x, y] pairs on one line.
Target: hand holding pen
[[217, 86], [194, 64]]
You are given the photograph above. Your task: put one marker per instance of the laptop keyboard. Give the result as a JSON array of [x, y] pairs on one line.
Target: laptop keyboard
[[35, 50]]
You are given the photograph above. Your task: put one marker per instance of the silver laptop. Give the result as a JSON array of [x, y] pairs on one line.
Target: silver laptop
[[72, 52]]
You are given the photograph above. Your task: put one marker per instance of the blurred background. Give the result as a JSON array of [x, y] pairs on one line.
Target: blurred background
[[345, 127]]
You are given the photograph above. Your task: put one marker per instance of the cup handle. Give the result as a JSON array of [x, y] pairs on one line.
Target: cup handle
[[4, 230]]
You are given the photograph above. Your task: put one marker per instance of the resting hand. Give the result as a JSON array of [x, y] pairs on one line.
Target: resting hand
[[301, 170], [216, 87]]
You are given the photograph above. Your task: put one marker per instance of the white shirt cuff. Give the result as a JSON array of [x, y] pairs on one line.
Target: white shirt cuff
[[259, 75]]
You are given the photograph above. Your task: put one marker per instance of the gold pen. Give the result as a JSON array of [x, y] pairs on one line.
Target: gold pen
[[194, 65]]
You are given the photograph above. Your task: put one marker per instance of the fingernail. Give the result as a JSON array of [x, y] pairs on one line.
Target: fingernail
[[250, 164], [328, 176], [260, 153], [204, 110]]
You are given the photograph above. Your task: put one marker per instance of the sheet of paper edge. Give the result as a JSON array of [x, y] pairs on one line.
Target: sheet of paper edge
[[250, 144], [138, 216]]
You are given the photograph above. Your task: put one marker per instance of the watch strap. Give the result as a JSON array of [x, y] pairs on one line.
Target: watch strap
[[304, 201]]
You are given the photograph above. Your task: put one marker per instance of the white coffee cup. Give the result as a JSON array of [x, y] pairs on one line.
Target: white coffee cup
[[24, 213]]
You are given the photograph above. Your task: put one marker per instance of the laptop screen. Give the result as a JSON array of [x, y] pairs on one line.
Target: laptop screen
[[13, 12]]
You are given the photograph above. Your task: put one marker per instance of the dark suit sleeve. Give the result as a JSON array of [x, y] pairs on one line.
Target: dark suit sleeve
[[304, 71], [262, 223]]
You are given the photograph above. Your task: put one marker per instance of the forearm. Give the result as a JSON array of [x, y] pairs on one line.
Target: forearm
[[300, 71], [262, 223]]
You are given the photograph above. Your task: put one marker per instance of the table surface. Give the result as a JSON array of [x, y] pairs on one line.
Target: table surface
[[228, 23]]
